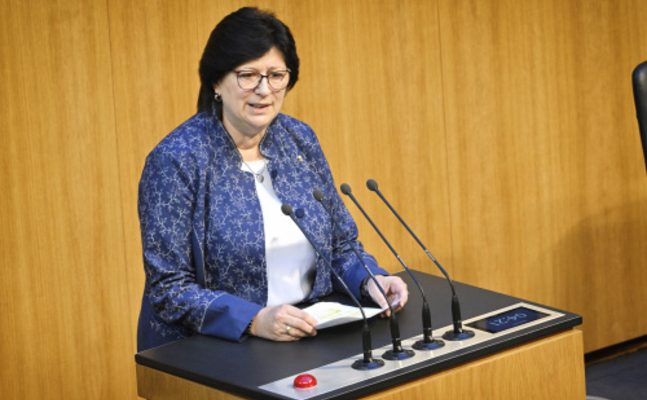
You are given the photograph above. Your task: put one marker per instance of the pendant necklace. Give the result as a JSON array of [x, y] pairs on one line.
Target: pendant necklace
[[259, 175]]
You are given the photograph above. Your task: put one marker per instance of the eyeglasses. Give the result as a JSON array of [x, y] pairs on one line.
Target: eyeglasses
[[249, 79]]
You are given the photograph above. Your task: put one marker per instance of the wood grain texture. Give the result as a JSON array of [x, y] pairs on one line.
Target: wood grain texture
[[155, 56], [372, 91], [550, 368], [155, 385], [503, 131], [547, 190], [63, 307]]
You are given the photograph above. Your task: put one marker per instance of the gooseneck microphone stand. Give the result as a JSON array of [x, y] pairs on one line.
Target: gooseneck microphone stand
[[427, 342], [458, 333], [367, 362], [398, 353]]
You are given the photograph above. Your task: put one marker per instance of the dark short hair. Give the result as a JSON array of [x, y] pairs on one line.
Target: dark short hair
[[242, 36]]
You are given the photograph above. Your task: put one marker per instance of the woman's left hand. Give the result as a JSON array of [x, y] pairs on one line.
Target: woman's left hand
[[395, 289], [283, 323]]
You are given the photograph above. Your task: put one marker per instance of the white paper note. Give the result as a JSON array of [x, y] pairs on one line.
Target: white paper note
[[332, 314]]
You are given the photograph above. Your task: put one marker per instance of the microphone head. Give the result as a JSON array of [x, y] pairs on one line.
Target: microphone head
[[318, 195], [345, 188], [287, 209], [371, 185]]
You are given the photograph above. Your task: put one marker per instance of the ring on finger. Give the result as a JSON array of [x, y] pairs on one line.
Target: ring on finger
[[287, 330]]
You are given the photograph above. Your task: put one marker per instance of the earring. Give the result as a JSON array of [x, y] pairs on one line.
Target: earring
[[217, 97]]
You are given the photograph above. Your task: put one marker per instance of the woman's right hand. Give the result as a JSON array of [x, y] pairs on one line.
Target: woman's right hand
[[283, 323]]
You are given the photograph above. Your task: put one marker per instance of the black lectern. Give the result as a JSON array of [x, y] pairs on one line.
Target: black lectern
[[521, 350]]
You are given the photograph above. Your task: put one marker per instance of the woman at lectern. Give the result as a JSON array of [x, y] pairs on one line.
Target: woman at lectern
[[220, 257]]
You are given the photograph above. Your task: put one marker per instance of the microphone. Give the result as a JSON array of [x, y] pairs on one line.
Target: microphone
[[428, 342], [458, 333], [397, 353], [367, 362]]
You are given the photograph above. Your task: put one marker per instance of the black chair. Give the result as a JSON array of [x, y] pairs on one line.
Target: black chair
[[640, 95]]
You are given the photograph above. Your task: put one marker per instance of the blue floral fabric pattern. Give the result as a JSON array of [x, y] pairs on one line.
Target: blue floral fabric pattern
[[202, 228]]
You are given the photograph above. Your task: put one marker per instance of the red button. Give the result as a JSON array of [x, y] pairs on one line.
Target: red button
[[305, 381]]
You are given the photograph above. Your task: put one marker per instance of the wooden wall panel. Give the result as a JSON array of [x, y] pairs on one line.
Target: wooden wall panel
[[372, 91], [155, 55], [15, 286], [504, 132], [547, 183], [63, 301]]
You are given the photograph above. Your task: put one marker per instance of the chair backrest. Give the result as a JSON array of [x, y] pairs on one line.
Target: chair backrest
[[640, 95]]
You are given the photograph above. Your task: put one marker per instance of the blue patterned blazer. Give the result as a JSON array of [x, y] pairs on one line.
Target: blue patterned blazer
[[202, 228]]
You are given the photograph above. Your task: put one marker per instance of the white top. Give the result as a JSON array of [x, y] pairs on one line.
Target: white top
[[291, 263]]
